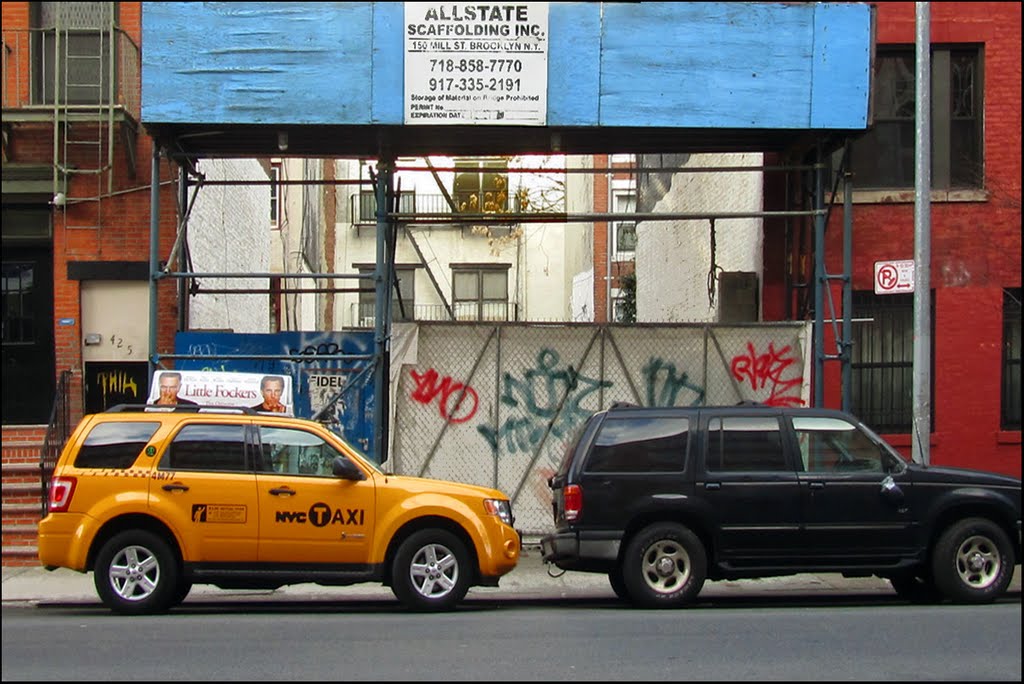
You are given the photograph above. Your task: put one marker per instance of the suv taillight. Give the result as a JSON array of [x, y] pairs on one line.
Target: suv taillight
[[61, 491], [572, 502]]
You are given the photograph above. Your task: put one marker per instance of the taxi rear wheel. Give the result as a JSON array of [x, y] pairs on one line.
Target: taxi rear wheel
[[431, 571], [136, 573]]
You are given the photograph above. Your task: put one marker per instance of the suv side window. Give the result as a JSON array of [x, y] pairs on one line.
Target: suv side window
[[207, 447], [640, 445], [832, 444], [114, 445], [745, 443], [295, 452]]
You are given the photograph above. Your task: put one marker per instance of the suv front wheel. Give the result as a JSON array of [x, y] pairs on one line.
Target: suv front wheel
[[136, 573], [664, 566], [431, 571], [973, 561]]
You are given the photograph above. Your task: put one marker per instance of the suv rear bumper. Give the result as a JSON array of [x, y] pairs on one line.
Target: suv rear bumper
[[581, 550]]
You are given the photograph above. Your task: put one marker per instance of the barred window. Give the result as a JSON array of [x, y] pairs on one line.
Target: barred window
[[882, 361], [1010, 418]]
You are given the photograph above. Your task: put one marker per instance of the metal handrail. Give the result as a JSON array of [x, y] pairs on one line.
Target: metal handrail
[[57, 432]]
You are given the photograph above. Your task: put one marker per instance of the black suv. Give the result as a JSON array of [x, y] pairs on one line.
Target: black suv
[[662, 499]]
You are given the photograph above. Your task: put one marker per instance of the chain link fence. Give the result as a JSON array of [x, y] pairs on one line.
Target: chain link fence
[[497, 405]]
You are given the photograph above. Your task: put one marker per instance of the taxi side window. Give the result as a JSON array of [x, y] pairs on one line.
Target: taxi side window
[[295, 452], [114, 445], [207, 447]]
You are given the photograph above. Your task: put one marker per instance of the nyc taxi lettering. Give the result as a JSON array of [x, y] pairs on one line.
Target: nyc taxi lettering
[[321, 515], [163, 475]]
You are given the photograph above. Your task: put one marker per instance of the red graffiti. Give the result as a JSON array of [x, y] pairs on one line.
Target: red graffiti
[[769, 367], [428, 387]]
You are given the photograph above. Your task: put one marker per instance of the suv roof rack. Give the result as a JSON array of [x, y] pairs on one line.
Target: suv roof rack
[[180, 408]]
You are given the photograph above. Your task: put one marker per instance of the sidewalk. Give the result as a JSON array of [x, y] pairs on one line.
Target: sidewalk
[[532, 579]]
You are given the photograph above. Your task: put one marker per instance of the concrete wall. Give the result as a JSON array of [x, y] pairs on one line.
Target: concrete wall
[[674, 258], [229, 232]]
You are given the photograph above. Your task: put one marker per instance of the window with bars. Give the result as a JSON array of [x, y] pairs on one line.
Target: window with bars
[[480, 293], [882, 361], [1010, 418], [884, 156]]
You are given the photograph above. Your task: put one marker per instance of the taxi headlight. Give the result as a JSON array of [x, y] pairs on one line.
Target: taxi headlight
[[501, 508]]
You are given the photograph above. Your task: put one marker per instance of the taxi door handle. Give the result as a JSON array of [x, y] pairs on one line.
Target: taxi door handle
[[175, 487], [282, 491]]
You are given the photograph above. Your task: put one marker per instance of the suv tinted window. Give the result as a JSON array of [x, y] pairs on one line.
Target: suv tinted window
[[745, 443], [639, 445], [114, 445], [295, 452], [207, 447], [831, 444]]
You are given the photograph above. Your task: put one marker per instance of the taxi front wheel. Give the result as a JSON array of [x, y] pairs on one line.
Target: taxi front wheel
[[136, 573], [431, 571]]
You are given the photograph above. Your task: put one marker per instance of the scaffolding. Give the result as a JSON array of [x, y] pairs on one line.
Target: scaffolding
[[806, 223]]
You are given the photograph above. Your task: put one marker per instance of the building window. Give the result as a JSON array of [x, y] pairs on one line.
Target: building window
[[275, 197], [1010, 419], [884, 156], [480, 293], [85, 43], [481, 186], [623, 232], [403, 298], [882, 361]]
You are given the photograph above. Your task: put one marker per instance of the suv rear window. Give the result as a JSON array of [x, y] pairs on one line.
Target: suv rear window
[[640, 445], [207, 447], [114, 445]]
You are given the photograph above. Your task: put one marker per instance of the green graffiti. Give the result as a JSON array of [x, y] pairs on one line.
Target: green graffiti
[[551, 398], [664, 384]]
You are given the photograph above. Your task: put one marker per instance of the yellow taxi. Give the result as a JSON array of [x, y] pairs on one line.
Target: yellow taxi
[[153, 501]]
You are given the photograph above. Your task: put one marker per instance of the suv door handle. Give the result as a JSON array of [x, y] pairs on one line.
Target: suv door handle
[[712, 485], [817, 485], [175, 488], [282, 491]]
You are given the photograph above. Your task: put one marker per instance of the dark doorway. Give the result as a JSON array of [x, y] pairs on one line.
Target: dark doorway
[[28, 353]]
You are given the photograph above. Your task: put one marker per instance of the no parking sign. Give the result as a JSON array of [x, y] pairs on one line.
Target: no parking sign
[[894, 277]]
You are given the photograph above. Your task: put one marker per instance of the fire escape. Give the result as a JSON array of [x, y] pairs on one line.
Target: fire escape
[[73, 75]]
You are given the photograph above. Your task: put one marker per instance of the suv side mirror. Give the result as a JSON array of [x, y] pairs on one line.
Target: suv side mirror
[[346, 469]]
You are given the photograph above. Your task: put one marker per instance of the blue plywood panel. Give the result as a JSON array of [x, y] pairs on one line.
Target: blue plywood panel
[[257, 62], [574, 63], [843, 44], [696, 65]]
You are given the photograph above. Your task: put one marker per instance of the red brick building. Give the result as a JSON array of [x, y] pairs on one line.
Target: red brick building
[[76, 228], [975, 240]]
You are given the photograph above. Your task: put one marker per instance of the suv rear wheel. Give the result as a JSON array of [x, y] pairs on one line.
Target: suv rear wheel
[[431, 571], [664, 566], [973, 561], [136, 573]]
